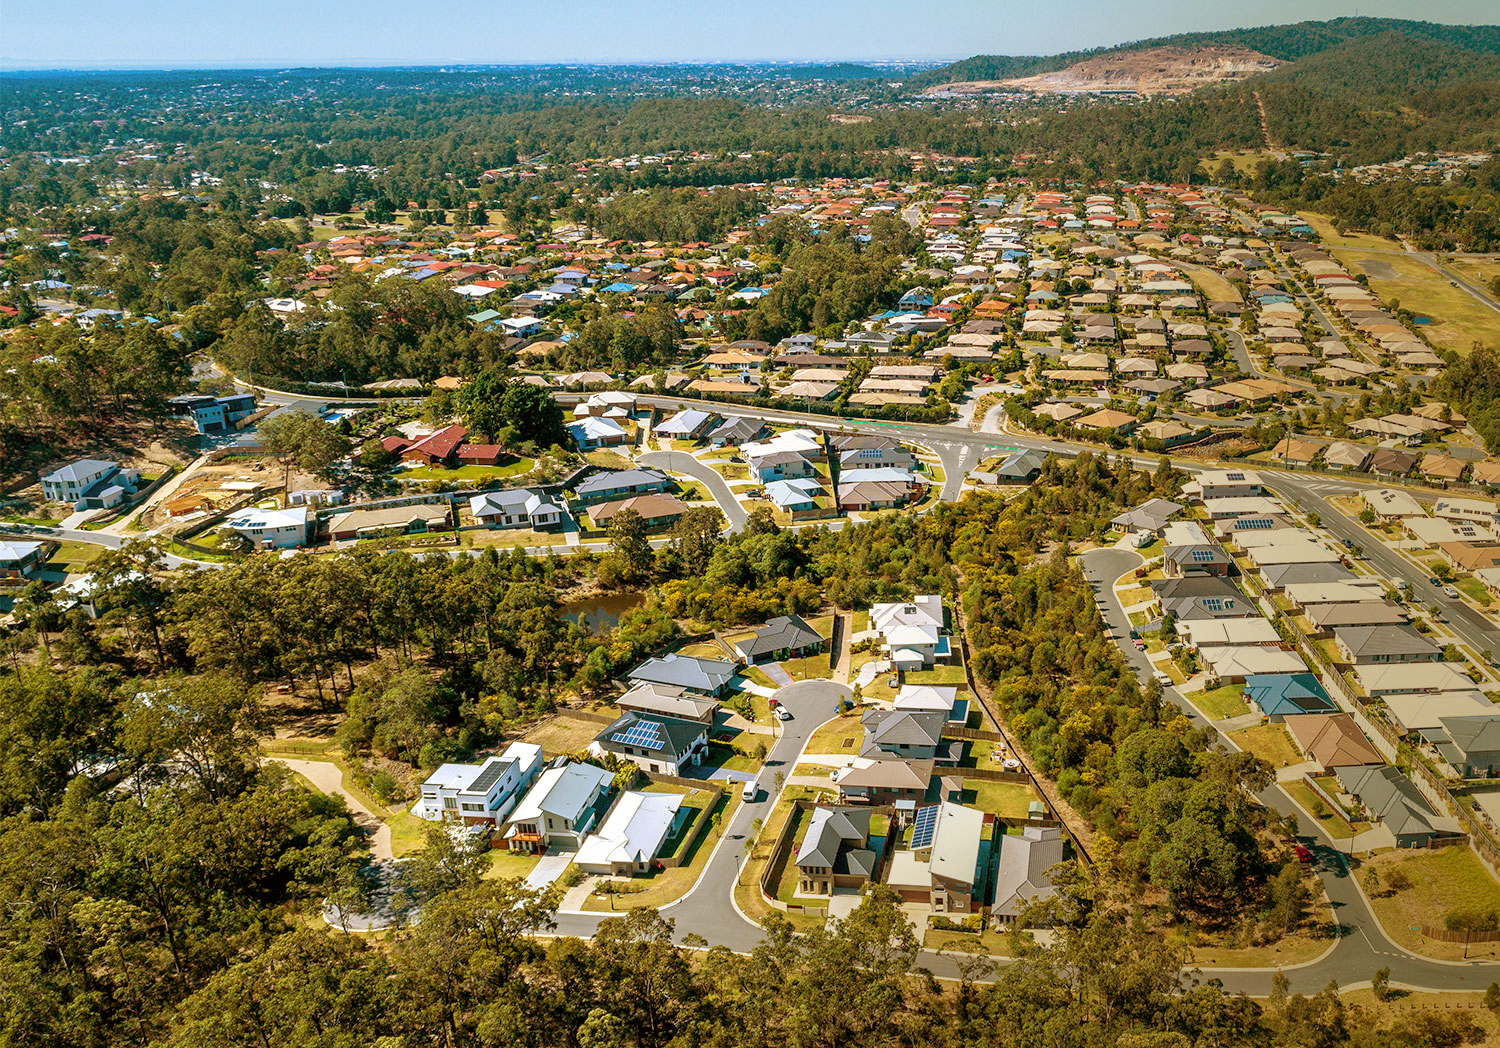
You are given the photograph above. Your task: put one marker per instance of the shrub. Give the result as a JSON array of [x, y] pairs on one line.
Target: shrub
[[1471, 919]]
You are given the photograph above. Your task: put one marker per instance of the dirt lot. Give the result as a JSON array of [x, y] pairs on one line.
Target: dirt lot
[[565, 733], [209, 482]]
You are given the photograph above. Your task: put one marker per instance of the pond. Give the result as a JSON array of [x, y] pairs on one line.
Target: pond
[[602, 611]]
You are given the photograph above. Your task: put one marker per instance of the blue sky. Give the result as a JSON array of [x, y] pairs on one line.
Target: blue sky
[[229, 33]]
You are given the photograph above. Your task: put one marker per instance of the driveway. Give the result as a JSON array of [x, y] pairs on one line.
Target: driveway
[[548, 869], [330, 779], [682, 462]]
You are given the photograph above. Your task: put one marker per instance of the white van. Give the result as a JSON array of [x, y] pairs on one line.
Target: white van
[[751, 789]]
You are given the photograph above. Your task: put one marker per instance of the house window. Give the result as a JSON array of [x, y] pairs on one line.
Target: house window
[[449, 802]]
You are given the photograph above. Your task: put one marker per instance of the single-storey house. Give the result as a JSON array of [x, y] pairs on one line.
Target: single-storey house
[[1331, 740], [1364, 645], [656, 510], [610, 485], [516, 508], [1282, 695], [390, 520], [784, 637], [692, 674], [632, 835], [1392, 800], [666, 701], [590, 433]]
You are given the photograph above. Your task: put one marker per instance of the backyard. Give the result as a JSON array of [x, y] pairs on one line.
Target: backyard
[[564, 734], [1316, 808], [512, 466], [1011, 800]]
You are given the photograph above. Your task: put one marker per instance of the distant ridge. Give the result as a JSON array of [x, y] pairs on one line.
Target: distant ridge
[[1290, 43]]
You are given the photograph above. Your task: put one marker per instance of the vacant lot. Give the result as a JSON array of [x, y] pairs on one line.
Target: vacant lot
[[1269, 742], [1010, 799], [840, 735], [564, 734], [1458, 319], [1440, 881], [1332, 238]]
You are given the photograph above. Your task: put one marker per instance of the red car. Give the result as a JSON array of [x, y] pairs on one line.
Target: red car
[[1304, 855]]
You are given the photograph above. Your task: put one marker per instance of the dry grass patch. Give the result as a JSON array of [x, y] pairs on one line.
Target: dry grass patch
[[1441, 881]]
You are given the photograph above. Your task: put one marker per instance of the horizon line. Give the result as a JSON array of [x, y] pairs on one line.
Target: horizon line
[[259, 66]]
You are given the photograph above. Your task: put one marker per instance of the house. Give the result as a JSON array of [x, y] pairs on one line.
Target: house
[[1380, 681], [1198, 558], [1365, 645], [667, 701], [516, 508], [942, 867], [872, 453], [909, 735], [18, 559], [911, 631], [655, 510], [1470, 745], [741, 429], [835, 852], [695, 675], [1193, 597], [272, 528], [1282, 695], [1325, 618], [1390, 799], [875, 781], [690, 424], [781, 638], [1233, 663], [213, 414], [1229, 632], [801, 499], [1021, 877], [632, 835], [936, 698], [90, 484], [436, 449], [480, 793], [614, 484], [863, 496], [560, 808], [1390, 504], [1421, 713], [1020, 467], [1151, 515], [1108, 418], [1472, 510], [1331, 740], [389, 520], [590, 433], [654, 743], [1224, 483]]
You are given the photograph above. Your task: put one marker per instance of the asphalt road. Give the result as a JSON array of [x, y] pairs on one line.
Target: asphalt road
[[682, 462], [1362, 947]]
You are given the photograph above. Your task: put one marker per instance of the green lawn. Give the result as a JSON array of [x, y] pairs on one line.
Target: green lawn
[[1311, 803], [940, 674], [757, 675], [1221, 703], [608, 459], [840, 735], [1010, 799], [508, 865], [859, 622], [720, 756], [1269, 742], [811, 667], [1474, 590], [512, 466], [73, 556]]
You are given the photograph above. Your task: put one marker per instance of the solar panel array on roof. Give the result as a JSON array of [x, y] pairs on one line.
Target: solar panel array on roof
[[926, 824], [1202, 556], [1254, 524], [1234, 476], [488, 775], [646, 734]]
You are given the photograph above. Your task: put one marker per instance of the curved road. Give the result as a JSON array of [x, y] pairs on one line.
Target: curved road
[[682, 462], [1362, 947]]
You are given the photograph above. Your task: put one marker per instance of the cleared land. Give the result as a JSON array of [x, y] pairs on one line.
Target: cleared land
[[1332, 238], [1219, 704], [1440, 881], [1270, 742], [564, 734], [1458, 320]]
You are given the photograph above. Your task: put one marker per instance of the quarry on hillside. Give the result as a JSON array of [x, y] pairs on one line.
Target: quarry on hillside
[[1155, 71]]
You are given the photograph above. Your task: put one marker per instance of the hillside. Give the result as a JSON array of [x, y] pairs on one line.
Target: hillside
[[1289, 43], [1389, 68], [1153, 71]]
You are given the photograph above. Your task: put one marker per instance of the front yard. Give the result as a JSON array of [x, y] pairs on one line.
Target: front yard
[[842, 735], [1270, 742], [1220, 703]]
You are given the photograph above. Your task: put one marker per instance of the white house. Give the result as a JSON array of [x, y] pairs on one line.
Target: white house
[[516, 508], [632, 835], [590, 433], [1225, 483], [559, 809], [937, 698], [89, 482], [272, 528], [911, 631], [480, 793]]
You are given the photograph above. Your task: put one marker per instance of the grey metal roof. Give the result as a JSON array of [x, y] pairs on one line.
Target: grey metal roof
[[829, 830], [619, 480], [677, 736], [779, 634], [1384, 640], [686, 671]]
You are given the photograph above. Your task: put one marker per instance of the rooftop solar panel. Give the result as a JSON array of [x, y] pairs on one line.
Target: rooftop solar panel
[[646, 734], [488, 776], [925, 826]]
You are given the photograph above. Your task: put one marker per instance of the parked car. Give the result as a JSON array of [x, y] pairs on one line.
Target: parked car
[[774, 703], [1348, 543], [1450, 592], [1140, 645], [1434, 580], [1161, 678], [783, 713]]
